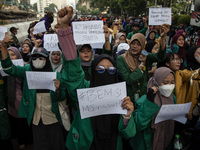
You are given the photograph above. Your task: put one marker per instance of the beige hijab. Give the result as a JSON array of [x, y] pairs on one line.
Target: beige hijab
[[132, 60]]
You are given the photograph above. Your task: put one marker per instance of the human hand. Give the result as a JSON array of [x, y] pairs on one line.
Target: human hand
[[57, 84], [127, 104], [164, 30], [8, 40], [106, 32], [152, 93]]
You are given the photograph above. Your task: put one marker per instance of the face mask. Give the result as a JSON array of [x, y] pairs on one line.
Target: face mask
[[38, 64], [197, 58], [166, 90]]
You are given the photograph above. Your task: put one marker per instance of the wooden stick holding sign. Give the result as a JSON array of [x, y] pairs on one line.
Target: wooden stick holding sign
[[102, 100]]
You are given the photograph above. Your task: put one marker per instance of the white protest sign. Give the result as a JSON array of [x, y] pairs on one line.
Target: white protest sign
[[100, 45], [87, 32], [39, 27], [195, 19], [41, 80], [3, 30], [175, 112], [159, 16], [16, 62], [102, 100], [51, 42]]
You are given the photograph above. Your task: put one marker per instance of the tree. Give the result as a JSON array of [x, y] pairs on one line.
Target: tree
[[35, 7], [51, 7]]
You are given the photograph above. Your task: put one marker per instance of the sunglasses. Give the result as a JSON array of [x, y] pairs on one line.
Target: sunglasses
[[101, 69], [40, 58]]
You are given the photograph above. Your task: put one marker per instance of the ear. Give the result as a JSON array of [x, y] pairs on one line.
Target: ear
[[167, 64]]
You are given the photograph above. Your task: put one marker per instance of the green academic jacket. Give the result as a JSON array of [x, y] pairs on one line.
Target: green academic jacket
[[136, 81], [28, 101], [80, 136]]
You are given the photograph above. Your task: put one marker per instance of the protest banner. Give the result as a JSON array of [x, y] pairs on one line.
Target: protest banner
[[41, 80], [195, 19], [175, 112], [159, 16], [102, 100], [39, 27], [3, 30], [100, 45], [87, 32], [16, 62], [51, 42]]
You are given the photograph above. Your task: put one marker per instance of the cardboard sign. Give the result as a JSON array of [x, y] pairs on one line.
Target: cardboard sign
[[3, 30], [102, 100], [195, 19], [41, 80], [51, 42], [87, 32], [159, 16], [175, 112], [39, 27]]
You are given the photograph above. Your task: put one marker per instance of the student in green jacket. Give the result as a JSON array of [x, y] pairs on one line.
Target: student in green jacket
[[150, 135], [101, 132], [135, 71], [40, 106]]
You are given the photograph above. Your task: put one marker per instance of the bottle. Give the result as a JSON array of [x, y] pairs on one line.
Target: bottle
[[177, 143]]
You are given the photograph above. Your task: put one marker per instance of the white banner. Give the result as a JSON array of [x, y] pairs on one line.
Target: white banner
[[3, 30], [87, 32], [51, 42], [39, 27], [159, 16], [102, 100], [41, 80], [175, 112]]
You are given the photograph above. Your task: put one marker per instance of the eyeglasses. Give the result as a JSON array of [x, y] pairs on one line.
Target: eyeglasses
[[40, 58], [101, 69], [178, 60]]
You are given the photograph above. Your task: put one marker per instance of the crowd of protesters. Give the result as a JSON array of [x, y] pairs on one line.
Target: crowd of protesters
[[156, 73]]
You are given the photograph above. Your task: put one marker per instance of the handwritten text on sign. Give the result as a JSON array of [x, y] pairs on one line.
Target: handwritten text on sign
[[41, 80], [87, 32], [173, 112], [3, 30], [51, 42], [16, 62], [195, 19], [159, 16], [39, 27], [102, 100]]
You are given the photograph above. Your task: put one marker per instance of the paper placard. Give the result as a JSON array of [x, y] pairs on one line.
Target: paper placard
[[102, 100], [51, 42], [41, 80], [87, 32], [3, 30], [100, 45], [175, 112], [16, 62], [195, 19], [159, 16], [39, 27]]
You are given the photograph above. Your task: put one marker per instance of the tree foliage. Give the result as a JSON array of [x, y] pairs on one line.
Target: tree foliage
[[51, 7], [35, 7]]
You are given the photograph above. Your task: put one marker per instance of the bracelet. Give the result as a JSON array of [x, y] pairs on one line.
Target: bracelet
[[126, 117]]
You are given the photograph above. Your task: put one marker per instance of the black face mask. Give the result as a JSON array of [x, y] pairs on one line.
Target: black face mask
[[104, 78], [25, 57]]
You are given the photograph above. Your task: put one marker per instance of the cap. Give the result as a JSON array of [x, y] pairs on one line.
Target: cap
[[13, 28], [40, 51], [84, 45], [123, 46]]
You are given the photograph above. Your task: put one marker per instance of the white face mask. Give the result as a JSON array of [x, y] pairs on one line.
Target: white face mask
[[166, 90], [38, 64], [197, 58]]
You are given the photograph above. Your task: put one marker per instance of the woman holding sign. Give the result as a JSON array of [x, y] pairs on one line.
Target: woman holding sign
[[39, 106], [101, 132]]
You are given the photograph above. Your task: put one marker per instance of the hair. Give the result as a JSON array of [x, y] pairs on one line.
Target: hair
[[168, 58]]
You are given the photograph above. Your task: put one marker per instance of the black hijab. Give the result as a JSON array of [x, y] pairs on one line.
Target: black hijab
[[191, 61], [149, 46], [105, 127]]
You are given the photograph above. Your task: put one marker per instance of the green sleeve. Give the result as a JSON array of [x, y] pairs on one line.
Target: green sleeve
[[160, 56], [143, 31], [11, 69], [129, 35], [74, 76], [127, 75], [144, 113], [129, 131], [109, 52]]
